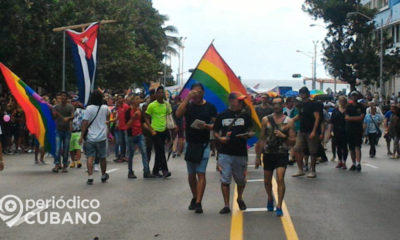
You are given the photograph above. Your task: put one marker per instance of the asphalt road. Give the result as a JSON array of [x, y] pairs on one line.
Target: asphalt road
[[337, 204]]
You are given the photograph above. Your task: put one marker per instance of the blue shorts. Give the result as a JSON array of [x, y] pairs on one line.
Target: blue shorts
[[235, 166], [201, 167], [95, 149]]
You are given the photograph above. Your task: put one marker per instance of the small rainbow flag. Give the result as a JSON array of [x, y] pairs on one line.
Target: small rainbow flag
[[219, 81], [38, 115]]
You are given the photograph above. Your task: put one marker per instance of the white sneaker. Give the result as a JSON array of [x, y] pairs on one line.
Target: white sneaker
[[311, 174], [96, 168]]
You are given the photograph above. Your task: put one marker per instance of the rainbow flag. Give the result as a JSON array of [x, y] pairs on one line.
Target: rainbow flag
[[38, 114], [219, 81]]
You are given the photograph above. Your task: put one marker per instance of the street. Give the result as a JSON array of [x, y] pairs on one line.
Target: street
[[338, 204]]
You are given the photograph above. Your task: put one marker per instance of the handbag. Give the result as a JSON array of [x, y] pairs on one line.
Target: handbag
[[379, 132], [170, 119], [87, 130], [194, 152]]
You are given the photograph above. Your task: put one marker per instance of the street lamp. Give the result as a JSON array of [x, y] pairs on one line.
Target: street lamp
[[314, 63], [180, 68], [382, 89]]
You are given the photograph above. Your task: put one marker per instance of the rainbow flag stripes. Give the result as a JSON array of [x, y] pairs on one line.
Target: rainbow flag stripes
[[38, 115], [219, 81]]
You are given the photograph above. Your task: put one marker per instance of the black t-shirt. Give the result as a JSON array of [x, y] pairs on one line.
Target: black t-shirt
[[337, 119], [236, 146], [204, 112], [354, 110], [306, 113]]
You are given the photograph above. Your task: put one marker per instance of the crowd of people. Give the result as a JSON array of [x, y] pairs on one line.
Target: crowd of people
[[293, 130]]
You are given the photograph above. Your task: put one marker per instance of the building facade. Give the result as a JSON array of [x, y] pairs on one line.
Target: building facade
[[388, 17]]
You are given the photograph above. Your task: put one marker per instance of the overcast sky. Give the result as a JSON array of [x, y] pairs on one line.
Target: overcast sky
[[257, 38]]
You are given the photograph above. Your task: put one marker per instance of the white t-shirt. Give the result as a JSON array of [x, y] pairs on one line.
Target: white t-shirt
[[98, 129]]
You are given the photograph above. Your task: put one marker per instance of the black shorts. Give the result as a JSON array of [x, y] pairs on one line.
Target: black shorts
[[354, 139], [275, 160]]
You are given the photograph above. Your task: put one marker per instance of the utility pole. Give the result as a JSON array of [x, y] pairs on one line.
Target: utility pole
[[79, 26], [315, 65], [382, 89]]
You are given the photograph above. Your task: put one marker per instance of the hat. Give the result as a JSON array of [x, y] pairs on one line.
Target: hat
[[354, 93], [75, 98], [237, 95], [304, 90]]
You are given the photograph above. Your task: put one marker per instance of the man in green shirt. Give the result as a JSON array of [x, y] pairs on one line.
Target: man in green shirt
[[156, 118]]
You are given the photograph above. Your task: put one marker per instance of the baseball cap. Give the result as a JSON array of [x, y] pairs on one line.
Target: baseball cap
[[237, 95], [75, 98]]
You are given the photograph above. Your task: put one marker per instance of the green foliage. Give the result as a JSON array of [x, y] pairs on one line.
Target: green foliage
[[350, 49], [129, 51]]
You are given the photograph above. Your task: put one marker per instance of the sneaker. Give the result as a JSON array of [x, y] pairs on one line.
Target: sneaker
[[132, 175], [158, 175], [96, 168], [173, 155], [89, 182], [72, 165], [79, 165], [305, 168], [389, 153], [225, 210], [36, 162], [56, 169], [105, 177], [192, 205], [353, 168], [198, 208], [148, 175], [333, 159], [65, 169], [279, 212], [358, 167], [339, 165], [166, 174], [270, 206], [312, 174], [298, 174], [242, 205], [394, 156], [291, 162], [344, 167]]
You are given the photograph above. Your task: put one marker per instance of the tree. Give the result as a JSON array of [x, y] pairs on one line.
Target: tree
[[128, 51], [350, 48]]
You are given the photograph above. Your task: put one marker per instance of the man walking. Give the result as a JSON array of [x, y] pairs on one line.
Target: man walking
[[156, 118], [64, 113], [94, 132], [196, 109], [354, 117], [136, 138], [277, 134], [232, 131], [310, 130]]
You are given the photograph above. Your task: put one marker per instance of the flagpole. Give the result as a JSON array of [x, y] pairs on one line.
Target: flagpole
[[63, 63]]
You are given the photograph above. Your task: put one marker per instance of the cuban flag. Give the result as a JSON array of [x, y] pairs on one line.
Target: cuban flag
[[84, 52]]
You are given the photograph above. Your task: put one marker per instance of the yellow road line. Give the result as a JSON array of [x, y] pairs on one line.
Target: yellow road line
[[286, 220], [237, 219]]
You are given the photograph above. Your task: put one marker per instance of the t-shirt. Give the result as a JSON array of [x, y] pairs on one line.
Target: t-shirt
[[121, 111], [236, 146], [306, 113], [354, 110], [204, 112], [388, 114], [64, 111], [338, 122], [158, 112], [97, 131], [262, 112], [136, 125], [372, 121]]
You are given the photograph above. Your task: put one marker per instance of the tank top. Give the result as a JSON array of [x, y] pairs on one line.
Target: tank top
[[276, 144]]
